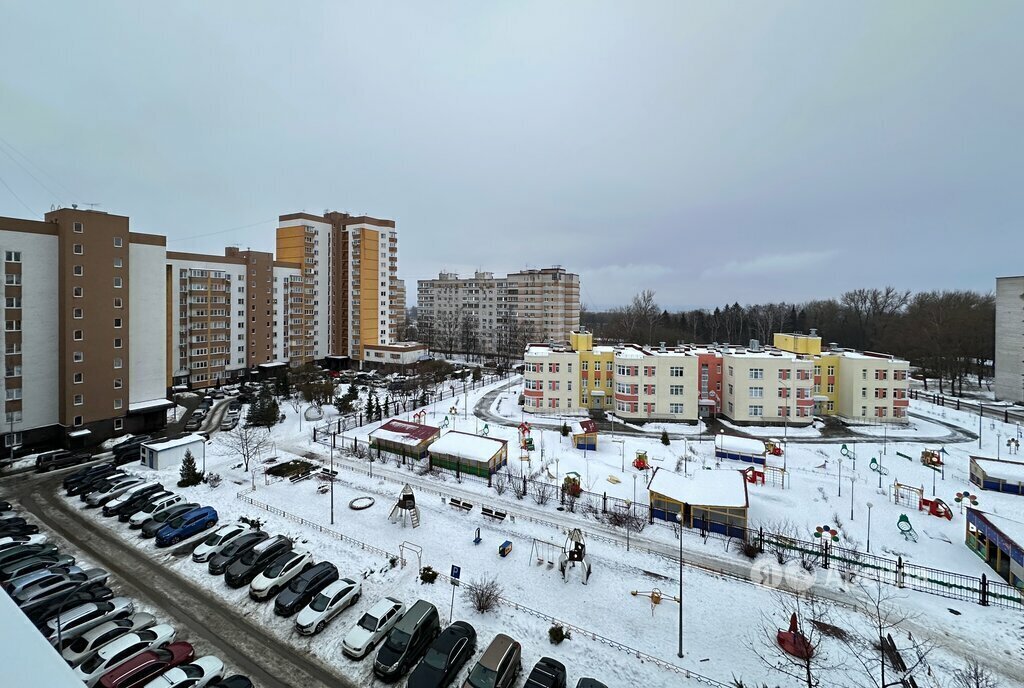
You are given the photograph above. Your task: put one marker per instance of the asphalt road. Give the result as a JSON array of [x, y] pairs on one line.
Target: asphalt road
[[198, 615]]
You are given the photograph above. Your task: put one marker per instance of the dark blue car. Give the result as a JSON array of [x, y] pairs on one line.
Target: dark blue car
[[186, 525]]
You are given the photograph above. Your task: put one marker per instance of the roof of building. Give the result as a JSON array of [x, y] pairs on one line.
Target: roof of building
[[743, 445], [150, 405], [1010, 471], [467, 446], [726, 488], [1014, 530], [404, 432], [584, 426], [177, 442]]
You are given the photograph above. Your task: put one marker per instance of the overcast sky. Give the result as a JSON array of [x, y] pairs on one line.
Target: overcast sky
[[712, 151]]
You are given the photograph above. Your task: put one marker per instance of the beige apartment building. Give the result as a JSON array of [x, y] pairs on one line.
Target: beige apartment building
[[1009, 362], [484, 313], [84, 329], [767, 386]]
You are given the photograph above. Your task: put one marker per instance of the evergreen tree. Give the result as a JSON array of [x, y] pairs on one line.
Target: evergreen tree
[[264, 411], [190, 474], [664, 437]]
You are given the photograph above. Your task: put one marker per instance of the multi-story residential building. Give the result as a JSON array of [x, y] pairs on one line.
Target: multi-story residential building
[[84, 329], [398, 314], [350, 275], [859, 387], [487, 314], [227, 314], [789, 383], [1009, 361]]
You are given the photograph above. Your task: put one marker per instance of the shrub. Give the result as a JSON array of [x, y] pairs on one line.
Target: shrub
[[484, 594], [254, 523], [212, 479], [565, 429], [557, 633], [750, 550], [428, 575], [664, 438], [542, 492]]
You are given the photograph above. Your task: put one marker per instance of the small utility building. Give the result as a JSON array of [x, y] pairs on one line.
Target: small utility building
[[169, 453], [713, 501], [997, 475], [1000, 542], [404, 438], [584, 434], [468, 453]]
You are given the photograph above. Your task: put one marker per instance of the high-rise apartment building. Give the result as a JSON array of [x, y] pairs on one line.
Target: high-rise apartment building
[[350, 278], [488, 314], [84, 329], [228, 314], [1009, 361]]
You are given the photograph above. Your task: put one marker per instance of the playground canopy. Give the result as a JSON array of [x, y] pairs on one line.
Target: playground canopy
[[713, 500], [739, 445], [998, 475], [586, 426], [404, 438], [470, 453]]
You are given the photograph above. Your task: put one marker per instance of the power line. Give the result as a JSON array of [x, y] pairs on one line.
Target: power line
[[221, 231], [34, 213], [70, 193]]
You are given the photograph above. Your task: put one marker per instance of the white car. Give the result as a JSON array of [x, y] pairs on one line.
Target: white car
[[121, 650], [218, 540], [101, 497], [15, 540], [275, 577], [372, 627], [197, 674], [16, 585], [331, 601], [84, 617], [77, 650], [147, 512]]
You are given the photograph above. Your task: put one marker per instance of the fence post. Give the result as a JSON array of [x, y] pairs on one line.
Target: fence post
[[984, 590], [760, 539], [957, 404], [314, 433], [604, 503], [334, 441], [824, 553], [899, 571]]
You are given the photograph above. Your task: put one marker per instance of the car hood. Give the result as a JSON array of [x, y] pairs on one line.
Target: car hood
[[387, 657], [424, 676], [308, 616], [358, 637], [204, 550]]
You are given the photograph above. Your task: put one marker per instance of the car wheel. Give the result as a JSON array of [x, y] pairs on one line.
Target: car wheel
[[319, 627], [175, 540]]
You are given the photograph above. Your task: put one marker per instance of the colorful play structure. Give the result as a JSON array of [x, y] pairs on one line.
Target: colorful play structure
[[405, 508], [573, 552], [906, 529], [584, 435], [753, 475], [932, 458], [908, 495], [793, 642], [965, 496], [877, 467], [655, 596], [640, 462], [773, 446], [525, 441]]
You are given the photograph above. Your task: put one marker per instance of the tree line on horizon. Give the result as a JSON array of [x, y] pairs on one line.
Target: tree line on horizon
[[949, 335]]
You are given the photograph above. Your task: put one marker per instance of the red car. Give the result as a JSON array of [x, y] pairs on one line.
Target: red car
[[141, 670]]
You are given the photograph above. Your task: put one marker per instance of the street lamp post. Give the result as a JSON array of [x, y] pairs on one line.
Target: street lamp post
[[332, 483], [869, 525], [679, 517], [851, 497], [980, 414]]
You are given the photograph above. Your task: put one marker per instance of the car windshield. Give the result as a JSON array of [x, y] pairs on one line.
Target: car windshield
[[249, 558], [398, 640], [368, 622], [151, 507], [320, 602], [214, 539], [176, 523], [274, 570], [435, 659], [78, 645], [232, 548], [192, 671], [92, 664], [482, 677]]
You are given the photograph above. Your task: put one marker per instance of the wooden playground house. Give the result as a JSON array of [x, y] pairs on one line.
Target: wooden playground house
[[584, 435], [709, 500], [468, 453], [404, 438], [1000, 542], [932, 458], [998, 475]]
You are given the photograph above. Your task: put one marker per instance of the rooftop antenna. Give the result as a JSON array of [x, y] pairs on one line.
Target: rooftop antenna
[[92, 206]]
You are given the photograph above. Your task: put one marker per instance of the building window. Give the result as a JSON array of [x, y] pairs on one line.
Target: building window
[[12, 439], [13, 393], [756, 392], [831, 370], [117, 343], [13, 417], [118, 242], [78, 357], [675, 408], [12, 325], [118, 403], [77, 314], [584, 365], [12, 280], [79, 378], [118, 303], [77, 292], [78, 249], [755, 411], [78, 421], [118, 263], [117, 283], [676, 391], [13, 347], [117, 323], [79, 399], [119, 423], [863, 373], [756, 374], [12, 256], [675, 371], [118, 363], [77, 335], [12, 302], [831, 389], [118, 383], [79, 228]]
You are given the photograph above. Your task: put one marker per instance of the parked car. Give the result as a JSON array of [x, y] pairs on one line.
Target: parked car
[[78, 620], [128, 450], [371, 628], [13, 554], [220, 561], [148, 512], [407, 641], [243, 570], [229, 423], [194, 422], [233, 681], [63, 459], [78, 649], [445, 657], [15, 540], [53, 587], [100, 498], [186, 525], [197, 674], [40, 613], [141, 669], [499, 666], [82, 473], [18, 526], [16, 585], [165, 516], [105, 484], [121, 650], [5, 505], [547, 673], [304, 587], [329, 602], [9, 516], [139, 503], [218, 540], [589, 683], [36, 563], [112, 508], [85, 484]]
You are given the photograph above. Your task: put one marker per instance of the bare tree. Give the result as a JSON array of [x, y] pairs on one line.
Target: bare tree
[[246, 440], [645, 310], [484, 594], [974, 675], [814, 621], [446, 330], [542, 492]]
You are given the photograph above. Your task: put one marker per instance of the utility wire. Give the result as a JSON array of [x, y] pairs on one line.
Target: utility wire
[[17, 198], [221, 231], [28, 171]]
